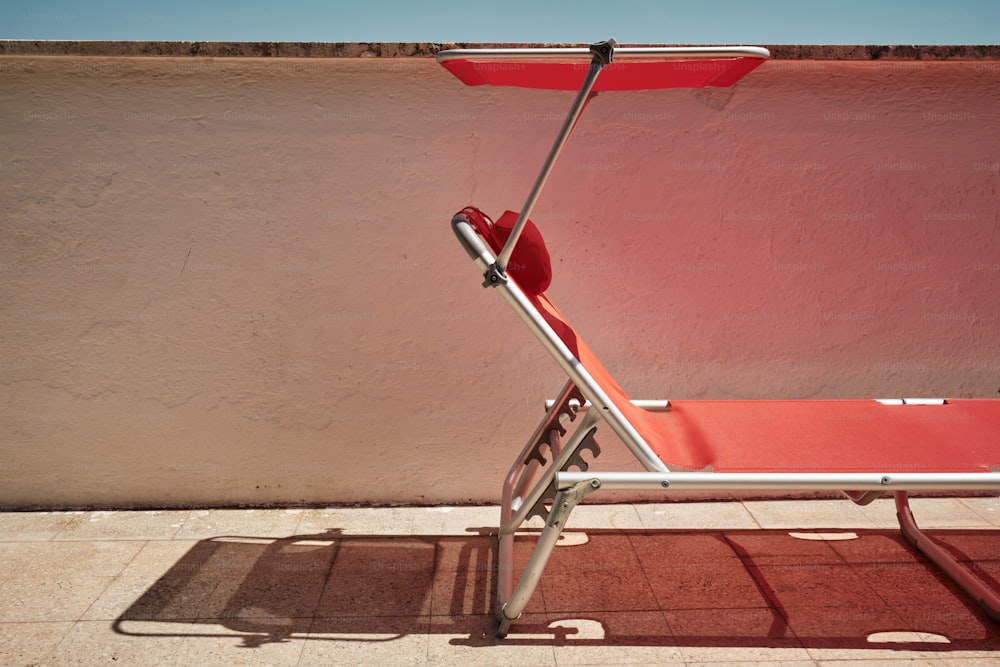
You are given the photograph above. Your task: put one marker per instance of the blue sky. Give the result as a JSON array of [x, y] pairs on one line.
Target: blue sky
[[629, 21]]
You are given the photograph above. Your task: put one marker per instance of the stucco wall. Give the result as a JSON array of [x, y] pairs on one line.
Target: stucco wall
[[232, 280]]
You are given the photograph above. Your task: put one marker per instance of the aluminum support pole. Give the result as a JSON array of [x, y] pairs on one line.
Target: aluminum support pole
[[603, 53]]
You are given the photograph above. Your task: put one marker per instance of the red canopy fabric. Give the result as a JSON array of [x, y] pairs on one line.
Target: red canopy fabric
[[616, 76]]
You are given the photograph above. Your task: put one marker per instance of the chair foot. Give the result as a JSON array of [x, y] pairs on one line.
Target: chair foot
[[513, 605], [503, 626]]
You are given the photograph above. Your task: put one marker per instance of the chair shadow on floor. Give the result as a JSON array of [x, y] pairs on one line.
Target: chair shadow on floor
[[739, 588]]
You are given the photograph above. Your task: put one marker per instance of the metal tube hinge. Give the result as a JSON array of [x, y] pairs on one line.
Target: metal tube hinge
[[604, 52], [494, 276]]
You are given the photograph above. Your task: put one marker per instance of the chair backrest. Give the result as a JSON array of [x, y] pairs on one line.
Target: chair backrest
[[696, 434], [555, 332]]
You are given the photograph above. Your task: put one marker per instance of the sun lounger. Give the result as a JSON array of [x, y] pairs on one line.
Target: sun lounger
[[864, 448]]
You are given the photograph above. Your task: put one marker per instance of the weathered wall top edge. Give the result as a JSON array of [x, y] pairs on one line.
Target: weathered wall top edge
[[427, 49]]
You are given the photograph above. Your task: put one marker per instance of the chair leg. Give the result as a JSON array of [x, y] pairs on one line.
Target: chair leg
[[566, 500], [545, 489], [980, 592]]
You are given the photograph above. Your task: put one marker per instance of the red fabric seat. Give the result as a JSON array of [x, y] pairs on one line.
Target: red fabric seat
[[804, 436]]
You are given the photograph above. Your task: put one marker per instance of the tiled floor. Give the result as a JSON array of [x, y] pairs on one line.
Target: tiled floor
[[768, 582]]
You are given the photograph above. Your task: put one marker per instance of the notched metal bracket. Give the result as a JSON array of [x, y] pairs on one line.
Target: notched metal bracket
[[553, 430], [575, 460]]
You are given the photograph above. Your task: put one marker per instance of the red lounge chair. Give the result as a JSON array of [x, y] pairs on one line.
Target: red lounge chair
[[863, 448]]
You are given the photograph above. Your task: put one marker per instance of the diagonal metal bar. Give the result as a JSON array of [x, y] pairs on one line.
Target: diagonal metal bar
[[603, 53]]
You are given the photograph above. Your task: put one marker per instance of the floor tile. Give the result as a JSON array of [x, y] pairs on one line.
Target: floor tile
[[458, 594], [359, 640], [97, 642], [695, 548], [616, 638], [137, 525], [128, 597], [602, 551], [223, 578], [278, 579], [35, 526], [759, 641], [455, 520], [601, 590], [886, 548], [474, 643], [602, 573], [280, 642], [964, 624], [903, 656], [960, 660], [704, 516], [761, 548], [135, 581], [51, 581], [40, 597], [719, 586], [90, 558], [986, 507], [885, 660], [156, 557], [818, 586], [357, 521], [812, 514], [201, 524], [464, 577], [615, 517], [471, 552], [25, 643], [946, 513], [620, 629], [913, 585], [379, 577], [980, 547]]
